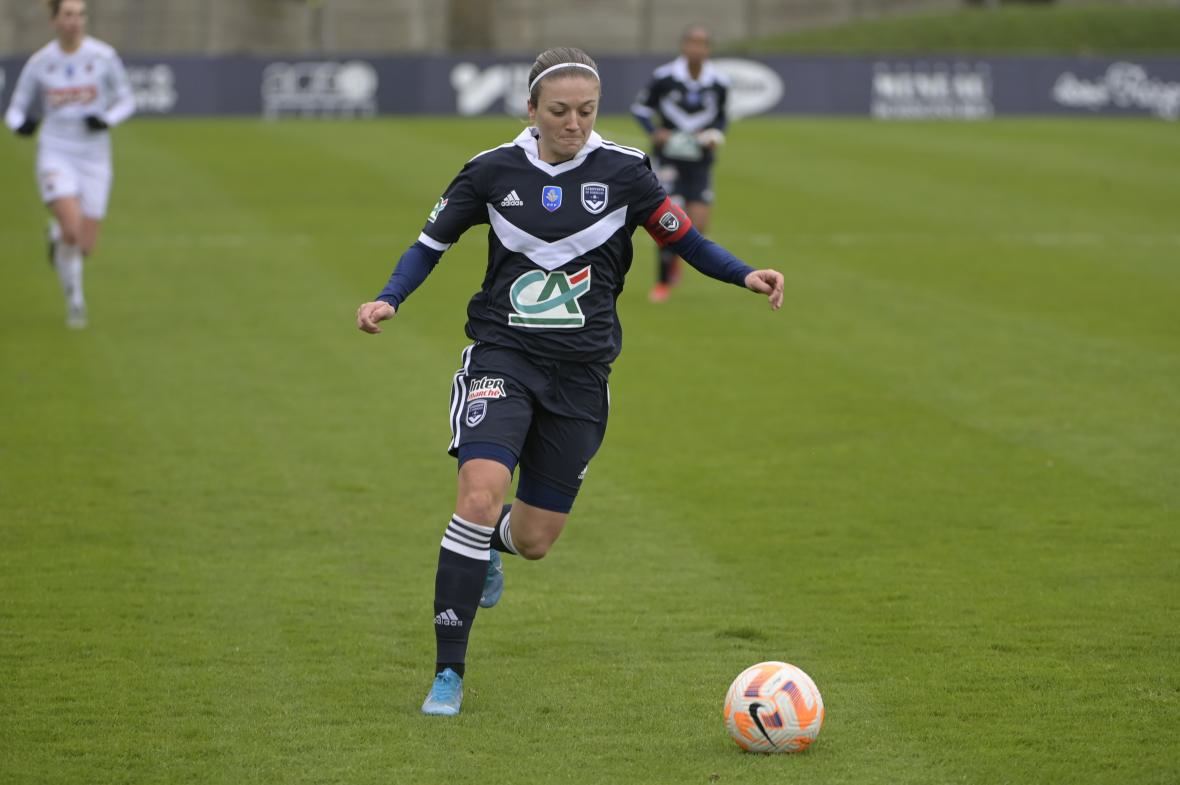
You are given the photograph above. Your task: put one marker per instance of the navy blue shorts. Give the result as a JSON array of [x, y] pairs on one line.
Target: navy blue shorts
[[692, 181], [550, 415]]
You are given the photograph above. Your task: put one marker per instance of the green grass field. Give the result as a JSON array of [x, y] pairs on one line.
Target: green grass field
[[943, 480]]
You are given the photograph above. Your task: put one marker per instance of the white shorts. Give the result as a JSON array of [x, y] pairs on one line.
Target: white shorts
[[62, 174]]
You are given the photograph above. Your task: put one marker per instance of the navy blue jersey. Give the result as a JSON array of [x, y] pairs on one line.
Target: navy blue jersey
[[685, 106], [559, 243]]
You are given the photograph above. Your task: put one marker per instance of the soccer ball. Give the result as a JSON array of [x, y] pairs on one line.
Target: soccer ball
[[773, 707]]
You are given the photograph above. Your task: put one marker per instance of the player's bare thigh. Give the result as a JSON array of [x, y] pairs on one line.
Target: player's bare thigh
[[67, 211], [76, 228]]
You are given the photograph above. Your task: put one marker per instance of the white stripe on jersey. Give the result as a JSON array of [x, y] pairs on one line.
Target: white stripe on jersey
[[553, 255], [678, 70], [689, 122], [622, 148], [490, 150], [430, 242]]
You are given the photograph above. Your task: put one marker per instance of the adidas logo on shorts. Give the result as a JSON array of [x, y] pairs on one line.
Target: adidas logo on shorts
[[512, 200], [448, 619]]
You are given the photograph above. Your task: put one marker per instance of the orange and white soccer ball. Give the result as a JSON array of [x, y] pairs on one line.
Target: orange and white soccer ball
[[773, 707]]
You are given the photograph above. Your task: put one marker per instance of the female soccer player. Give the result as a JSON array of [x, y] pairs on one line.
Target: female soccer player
[[81, 90], [561, 203], [687, 98]]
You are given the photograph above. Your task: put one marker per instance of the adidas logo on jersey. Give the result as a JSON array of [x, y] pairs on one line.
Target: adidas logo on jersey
[[448, 619], [512, 200]]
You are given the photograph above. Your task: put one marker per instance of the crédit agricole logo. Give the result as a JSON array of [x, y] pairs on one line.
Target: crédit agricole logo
[[543, 299]]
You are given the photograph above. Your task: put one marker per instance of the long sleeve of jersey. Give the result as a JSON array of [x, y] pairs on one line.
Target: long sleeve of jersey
[[670, 227], [711, 259], [22, 99], [460, 207], [643, 109], [124, 103], [416, 263]]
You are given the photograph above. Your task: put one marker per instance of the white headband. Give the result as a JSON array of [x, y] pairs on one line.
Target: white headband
[[553, 68]]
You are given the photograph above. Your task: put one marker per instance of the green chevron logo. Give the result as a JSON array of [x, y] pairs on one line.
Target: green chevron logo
[[543, 299]]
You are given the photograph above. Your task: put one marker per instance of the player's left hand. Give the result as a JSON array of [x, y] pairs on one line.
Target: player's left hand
[[96, 123], [29, 126], [768, 282]]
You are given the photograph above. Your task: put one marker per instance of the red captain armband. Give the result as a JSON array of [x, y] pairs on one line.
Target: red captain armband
[[668, 223]]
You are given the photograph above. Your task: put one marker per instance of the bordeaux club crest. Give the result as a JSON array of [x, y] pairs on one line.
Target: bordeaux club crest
[[476, 411], [594, 197]]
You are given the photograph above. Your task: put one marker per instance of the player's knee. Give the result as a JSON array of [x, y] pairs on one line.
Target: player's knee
[[71, 235], [533, 554], [480, 504], [534, 531], [533, 549]]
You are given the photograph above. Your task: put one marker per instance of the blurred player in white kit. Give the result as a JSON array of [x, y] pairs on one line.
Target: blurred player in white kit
[[75, 88]]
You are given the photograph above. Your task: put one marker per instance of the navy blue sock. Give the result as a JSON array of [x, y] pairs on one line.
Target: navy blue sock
[[458, 584], [457, 667], [667, 265], [502, 532]]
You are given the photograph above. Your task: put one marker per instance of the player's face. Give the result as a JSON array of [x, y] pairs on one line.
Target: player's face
[[695, 46], [70, 21], [564, 115]]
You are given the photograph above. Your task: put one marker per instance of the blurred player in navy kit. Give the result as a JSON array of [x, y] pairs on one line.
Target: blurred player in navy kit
[[683, 111], [78, 86], [561, 204]]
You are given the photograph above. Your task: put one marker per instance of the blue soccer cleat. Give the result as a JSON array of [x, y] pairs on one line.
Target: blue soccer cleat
[[446, 694], [493, 584]]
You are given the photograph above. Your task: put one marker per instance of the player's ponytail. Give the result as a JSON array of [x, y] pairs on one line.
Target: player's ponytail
[[559, 61]]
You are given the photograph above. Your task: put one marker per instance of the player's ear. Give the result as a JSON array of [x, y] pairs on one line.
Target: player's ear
[[532, 111]]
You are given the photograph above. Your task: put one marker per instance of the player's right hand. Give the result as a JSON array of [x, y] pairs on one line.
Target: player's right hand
[[369, 314], [29, 126], [769, 283]]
